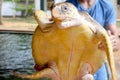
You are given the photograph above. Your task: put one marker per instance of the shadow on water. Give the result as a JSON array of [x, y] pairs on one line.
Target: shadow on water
[[15, 55]]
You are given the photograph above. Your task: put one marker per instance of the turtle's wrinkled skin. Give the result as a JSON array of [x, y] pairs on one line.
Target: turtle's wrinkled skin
[[70, 53]]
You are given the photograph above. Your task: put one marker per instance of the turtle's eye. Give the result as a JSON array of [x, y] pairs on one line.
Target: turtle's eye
[[64, 8]]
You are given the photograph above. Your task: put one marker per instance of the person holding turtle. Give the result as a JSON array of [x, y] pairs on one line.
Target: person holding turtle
[[104, 13]]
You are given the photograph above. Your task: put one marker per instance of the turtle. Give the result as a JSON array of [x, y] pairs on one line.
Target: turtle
[[72, 52]]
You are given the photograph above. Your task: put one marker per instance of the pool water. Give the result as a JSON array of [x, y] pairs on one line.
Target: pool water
[[15, 55]]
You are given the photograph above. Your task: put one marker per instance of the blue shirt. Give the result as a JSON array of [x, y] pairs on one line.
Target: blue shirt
[[102, 11]]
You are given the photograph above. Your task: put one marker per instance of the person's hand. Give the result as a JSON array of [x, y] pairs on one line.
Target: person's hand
[[114, 40]]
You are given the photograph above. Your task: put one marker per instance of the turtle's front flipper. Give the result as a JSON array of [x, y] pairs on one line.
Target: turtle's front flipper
[[47, 72], [102, 35], [44, 20]]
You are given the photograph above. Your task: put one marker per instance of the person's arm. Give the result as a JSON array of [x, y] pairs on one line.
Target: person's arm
[[110, 26], [113, 33]]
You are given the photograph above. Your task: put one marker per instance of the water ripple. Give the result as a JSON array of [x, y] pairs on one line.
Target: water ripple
[[15, 54]]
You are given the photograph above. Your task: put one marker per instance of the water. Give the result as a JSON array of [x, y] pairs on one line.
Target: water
[[15, 55]]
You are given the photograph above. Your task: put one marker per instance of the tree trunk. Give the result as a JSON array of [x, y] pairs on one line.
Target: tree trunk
[[26, 10], [0, 12], [13, 1]]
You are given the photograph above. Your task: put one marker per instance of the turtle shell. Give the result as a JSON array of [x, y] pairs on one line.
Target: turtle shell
[[69, 48]]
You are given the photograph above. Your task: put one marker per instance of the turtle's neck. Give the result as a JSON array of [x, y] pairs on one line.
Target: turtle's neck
[[86, 3]]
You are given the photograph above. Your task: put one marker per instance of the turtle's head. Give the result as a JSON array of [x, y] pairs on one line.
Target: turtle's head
[[64, 11]]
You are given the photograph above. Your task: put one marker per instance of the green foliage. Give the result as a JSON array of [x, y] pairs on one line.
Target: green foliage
[[21, 6], [118, 23], [12, 0], [7, 0]]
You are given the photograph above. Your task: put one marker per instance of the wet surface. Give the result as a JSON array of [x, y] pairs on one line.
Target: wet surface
[[15, 55]]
